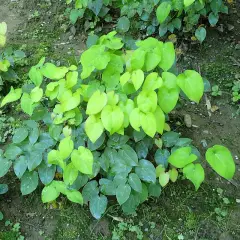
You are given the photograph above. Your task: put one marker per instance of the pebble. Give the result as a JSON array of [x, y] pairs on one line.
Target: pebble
[[188, 120]]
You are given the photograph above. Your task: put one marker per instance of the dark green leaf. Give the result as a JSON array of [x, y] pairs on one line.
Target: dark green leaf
[[81, 180], [170, 139], [98, 206], [161, 157], [46, 173], [107, 187], [122, 193], [5, 164], [20, 166], [90, 191], [29, 182], [154, 189], [97, 144], [19, 135], [34, 160], [3, 188], [123, 24], [135, 182], [146, 171], [129, 155], [12, 152]]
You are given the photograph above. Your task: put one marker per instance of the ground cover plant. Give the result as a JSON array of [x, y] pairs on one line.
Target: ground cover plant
[[158, 17], [102, 127]]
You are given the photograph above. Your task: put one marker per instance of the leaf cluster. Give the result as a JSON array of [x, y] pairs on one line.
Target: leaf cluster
[[150, 17], [102, 127]]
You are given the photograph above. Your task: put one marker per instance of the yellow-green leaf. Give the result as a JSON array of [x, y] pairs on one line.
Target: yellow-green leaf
[[36, 94], [12, 96], [112, 118], [220, 159], [191, 84], [66, 147], [160, 119], [83, 160], [194, 173], [137, 78], [168, 56], [148, 123], [96, 102], [182, 157], [70, 174], [94, 128]]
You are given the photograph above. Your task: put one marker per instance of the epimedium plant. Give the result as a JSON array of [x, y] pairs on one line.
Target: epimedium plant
[[103, 127], [151, 17]]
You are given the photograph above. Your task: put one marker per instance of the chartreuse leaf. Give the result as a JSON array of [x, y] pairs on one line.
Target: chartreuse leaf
[[164, 178], [71, 79], [112, 118], [168, 56], [169, 80], [122, 193], [137, 78], [152, 82], [27, 104], [138, 59], [160, 120], [148, 123], [167, 98], [173, 173], [135, 119], [112, 98], [83, 160], [191, 84], [94, 57], [125, 78], [35, 75], [54, 157], [96, 102], [12, 96], [66, 147], [49, 70], [2, 40], [147, 101], [94, 128], [188, 2], [194, 173], [220, 159], [135, 182], [182, 157], [127, 108], [29, 182], [75, 196], [49, 194], [98, 205], [153, 49], [70, 102], [70, 174], [36, 94], [163, 11]]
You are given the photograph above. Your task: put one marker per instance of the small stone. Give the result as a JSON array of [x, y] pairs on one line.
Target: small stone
[[188, 120], [230, 27]]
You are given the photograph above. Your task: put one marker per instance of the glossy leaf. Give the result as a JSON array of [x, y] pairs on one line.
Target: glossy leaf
[[49, 194], [182, 157], [195, 173], [135, 182], [146, 171], [83, 160], [29, 182], [163, 11], [122, 193], [12, 96], [220, 159], [96, 103], [98, 206], [191, 84]]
